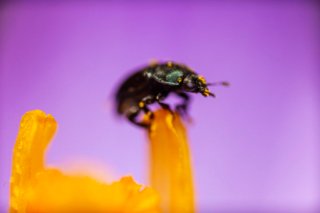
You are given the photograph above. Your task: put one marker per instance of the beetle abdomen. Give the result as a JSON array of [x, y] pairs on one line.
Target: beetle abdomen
[[131, 92]]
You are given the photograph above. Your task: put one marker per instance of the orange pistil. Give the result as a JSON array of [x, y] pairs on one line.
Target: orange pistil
[[170, 167]]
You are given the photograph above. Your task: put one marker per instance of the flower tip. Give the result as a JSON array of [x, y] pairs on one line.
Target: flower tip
[[165, 119], [35, 132]]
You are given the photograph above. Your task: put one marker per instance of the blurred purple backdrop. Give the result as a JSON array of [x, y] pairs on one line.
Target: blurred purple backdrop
[[255, 147]]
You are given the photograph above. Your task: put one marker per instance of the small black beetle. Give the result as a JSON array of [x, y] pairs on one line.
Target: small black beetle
[[153, 84]]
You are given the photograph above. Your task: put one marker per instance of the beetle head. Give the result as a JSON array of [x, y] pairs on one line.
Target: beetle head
[[197, 84]]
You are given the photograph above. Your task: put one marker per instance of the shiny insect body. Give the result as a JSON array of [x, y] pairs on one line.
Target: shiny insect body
[[153, 83]]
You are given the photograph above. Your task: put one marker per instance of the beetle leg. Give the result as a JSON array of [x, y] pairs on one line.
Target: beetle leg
[[147, 111], [143, 105], [183, 107], [165, 106], [132, 118]]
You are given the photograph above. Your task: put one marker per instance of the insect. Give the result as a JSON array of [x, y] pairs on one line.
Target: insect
[[154, 83]]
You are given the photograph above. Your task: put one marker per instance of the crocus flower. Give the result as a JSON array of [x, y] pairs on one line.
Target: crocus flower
[[36, 188]]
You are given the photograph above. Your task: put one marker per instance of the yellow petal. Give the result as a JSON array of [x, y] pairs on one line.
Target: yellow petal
[[170, 166], [35, 188]]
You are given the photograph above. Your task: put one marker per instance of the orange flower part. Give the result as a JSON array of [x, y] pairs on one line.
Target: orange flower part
[[170, 166], [37, 189]]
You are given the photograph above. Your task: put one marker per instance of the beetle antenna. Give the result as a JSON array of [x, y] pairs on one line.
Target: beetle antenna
[[212, 94], [220, 83]]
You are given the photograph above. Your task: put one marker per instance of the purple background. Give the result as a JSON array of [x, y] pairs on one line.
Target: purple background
[[255, 147]]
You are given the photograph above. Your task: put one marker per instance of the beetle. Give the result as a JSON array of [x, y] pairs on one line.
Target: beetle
[[154, 83]]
